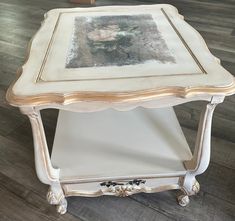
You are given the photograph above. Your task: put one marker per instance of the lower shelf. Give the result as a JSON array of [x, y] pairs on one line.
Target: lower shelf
[[110, 144]]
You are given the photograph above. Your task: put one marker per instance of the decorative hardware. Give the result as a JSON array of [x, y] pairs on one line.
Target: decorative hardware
[[133, 182], [123, 189]]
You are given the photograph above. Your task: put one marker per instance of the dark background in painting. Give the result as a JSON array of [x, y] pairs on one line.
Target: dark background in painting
[[116, 40]]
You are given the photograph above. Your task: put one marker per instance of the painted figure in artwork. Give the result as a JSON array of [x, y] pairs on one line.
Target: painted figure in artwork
[[116, 41]]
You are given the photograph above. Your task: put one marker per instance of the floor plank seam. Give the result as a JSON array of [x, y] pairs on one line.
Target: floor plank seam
[[77, 217], [221, 165], [37, 210], [154, 209], [216, 196], [26, 188]]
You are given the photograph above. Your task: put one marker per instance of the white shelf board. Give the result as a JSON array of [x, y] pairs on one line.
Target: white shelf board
[[105, 144]]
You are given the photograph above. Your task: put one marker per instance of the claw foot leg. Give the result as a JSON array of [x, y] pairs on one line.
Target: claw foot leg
[[57, 198], [196, 187], [183, 200], [62, 206]]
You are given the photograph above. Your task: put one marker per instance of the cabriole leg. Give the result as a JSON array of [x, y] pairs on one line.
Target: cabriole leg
[[201, 157], [183, 198], [45, 171], [55, 196]]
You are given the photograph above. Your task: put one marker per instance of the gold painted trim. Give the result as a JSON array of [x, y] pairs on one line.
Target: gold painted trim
[[34, 116], [116, 97], [133, 96], [40, 79], [116, 78], [184, 42], [48, 48], [68, 193]]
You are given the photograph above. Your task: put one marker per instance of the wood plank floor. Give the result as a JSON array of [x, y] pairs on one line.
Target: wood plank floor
[[22, 195]]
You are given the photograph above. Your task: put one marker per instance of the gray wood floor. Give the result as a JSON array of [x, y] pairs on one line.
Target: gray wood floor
[[22, 195]]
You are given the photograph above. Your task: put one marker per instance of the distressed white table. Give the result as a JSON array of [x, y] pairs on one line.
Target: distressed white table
[[115, 73]]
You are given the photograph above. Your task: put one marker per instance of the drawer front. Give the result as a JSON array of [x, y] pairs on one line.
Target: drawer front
[[122, 188]]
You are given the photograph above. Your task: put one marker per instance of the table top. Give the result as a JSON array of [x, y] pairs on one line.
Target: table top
[[117, 54]]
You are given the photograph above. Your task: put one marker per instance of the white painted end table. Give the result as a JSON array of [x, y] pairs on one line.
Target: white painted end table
[[115, 73]]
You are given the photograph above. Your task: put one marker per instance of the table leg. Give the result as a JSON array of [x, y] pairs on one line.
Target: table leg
[[201, 157], [55, 196], [45, 171]]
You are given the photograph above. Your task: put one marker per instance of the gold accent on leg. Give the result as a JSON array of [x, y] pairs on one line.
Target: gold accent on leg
[[196, 187]]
